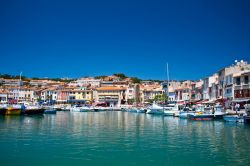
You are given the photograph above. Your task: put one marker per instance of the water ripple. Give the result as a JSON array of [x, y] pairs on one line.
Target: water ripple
[[121, 138]]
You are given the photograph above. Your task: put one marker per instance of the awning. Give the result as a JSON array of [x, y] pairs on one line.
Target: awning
[[75, 101], [208, 102], [240, 100]]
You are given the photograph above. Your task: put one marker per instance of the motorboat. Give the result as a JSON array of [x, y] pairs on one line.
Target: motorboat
[[155, 109]]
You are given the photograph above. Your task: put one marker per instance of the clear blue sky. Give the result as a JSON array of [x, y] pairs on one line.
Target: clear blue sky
[[47, 38]]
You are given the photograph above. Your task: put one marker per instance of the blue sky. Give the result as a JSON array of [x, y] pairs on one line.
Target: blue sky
[[97, 37]]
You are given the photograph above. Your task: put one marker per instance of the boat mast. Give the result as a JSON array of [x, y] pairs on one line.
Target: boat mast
[[167, 81], [19, 87]]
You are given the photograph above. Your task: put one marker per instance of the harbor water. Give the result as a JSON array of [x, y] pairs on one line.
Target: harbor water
[[121, 138]]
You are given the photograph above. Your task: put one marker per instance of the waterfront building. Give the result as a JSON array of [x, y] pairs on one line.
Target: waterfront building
[[213, 87], [3, 96], [148, 92], [86, 81], [205, 94], [183, 92], [27, 94], [171, 94], [225, 79], [112, 95], [39, 83], [80, 96], [132, 93], [13, 93], [12, 82], [49, 95], [241, 85]]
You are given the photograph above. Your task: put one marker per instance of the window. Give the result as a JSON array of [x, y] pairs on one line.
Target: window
[[229, 91], [238, 81], [246, 80]]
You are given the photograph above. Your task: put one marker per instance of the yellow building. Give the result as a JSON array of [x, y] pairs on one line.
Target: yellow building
[[112, 95]]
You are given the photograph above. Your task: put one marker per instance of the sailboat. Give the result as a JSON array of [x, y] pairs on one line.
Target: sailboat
[[170, 109]]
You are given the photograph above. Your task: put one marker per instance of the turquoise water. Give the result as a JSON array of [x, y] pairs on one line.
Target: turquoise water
[[120, 138]]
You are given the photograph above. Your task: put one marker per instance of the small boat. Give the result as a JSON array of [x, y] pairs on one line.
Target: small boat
[[219, 113], [201, 116], [3, 110], [171, 110], [13, 111], [155, 109], [75, 108], [169, 113], [100, 109], [247, 117], [185, 112], [141, 110], [50, 111], [32, 110], [85, 109], [234, 118], [132, 110]]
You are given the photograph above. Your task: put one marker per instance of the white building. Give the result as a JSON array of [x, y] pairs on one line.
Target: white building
[[88, 81], [49, 95]]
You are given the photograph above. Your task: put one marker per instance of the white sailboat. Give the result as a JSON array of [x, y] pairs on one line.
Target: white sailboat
[[155, 109]]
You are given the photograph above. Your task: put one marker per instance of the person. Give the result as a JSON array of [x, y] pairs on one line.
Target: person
[[237, 107], [213, 110]]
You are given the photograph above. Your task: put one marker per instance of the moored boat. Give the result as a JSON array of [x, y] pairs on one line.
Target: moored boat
[[141, 110], [13, 111], [3, 111], [132, 110], [50, 111], [219, 112], [87, 109], [185, 114], [201, 116], [33, 110], [233, 118], [169, 113], [171, 110], [155, 109], [247, 117]]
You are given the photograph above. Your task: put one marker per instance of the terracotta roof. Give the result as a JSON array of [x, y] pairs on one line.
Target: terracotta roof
[[4, 91], [108, 88]]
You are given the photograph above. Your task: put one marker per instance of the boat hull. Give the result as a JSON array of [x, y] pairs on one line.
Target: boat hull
[[155, 111], [84, 110], [247, 119], [233, 118], [33, 111], [13, 111], [3, 111], [169, 113], [218, 116], [201, 117], [185, 115], [50, 112]]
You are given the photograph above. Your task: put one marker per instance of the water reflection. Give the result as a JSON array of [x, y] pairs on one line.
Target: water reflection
[[122, 137]]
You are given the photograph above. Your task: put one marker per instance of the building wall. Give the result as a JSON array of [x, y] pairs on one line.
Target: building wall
[[242, 86]]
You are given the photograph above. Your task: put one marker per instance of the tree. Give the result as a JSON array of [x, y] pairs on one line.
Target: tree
[[161, 98], [131, 101], [100, 77], [120, 75], [135, 80], [150, 101]]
